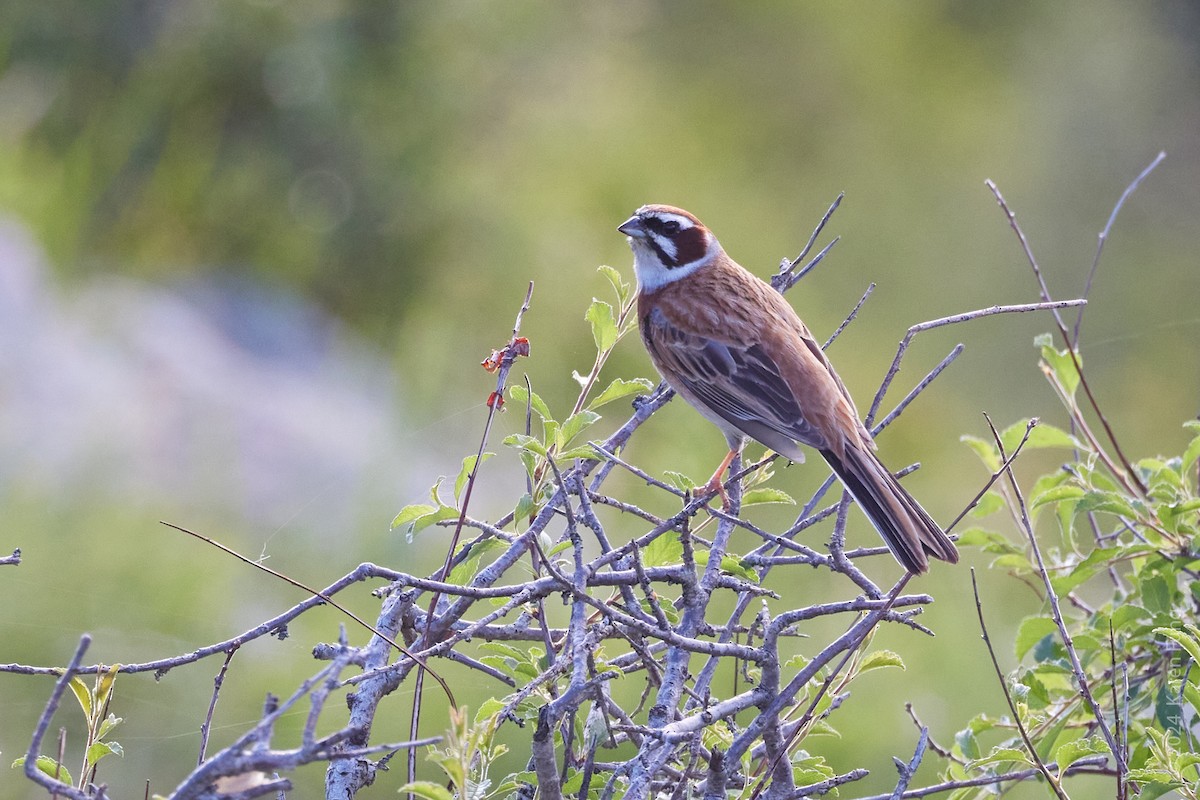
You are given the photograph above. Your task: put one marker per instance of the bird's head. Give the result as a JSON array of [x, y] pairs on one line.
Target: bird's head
[[668, 243]]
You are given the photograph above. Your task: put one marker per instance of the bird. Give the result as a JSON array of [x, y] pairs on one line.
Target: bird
[[736, 351]]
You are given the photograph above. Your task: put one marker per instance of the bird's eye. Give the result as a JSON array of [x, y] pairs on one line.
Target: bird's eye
[[671, 226]]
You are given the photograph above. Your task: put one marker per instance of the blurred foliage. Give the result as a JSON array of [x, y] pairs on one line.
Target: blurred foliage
[[412, 165]]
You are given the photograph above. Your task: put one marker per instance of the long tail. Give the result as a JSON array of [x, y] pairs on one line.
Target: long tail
[[907, 529]]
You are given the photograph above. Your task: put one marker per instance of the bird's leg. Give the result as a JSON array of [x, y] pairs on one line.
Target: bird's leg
[[715, 484]]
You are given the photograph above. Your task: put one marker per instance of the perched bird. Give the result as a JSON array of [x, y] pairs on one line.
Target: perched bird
[[734, 349]]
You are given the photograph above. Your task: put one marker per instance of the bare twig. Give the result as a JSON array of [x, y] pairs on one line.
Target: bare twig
[[1012, 707], [1066, 337], [1104, 234], [1056, 613], [907, 771], [212, 704], [56, 787]]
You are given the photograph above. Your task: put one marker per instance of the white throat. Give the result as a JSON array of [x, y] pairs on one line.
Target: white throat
[[652, 274]]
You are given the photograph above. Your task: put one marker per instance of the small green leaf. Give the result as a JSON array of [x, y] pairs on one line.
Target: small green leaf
[[110, 722], [1060, 362], [731, 565], [664, 551], [621, 388], [1057, 495], [1184, 640], [526, 508], [1097, 561], [99, 750], [762, 496], [1032, 631], [881, 658], [464, 474], [428, 790], [1106, 503], [968, 745], [586, 452], [432, 516], [1042, 436], [519, 394], [83, 694], [1001, 755], [991, 502], [523, 442], [619, 284], [984, 449], [680, 481], [574, 425], [1156, 594], [411, 513], [604, 325], [466, 570], [990, 541], [48, 766]]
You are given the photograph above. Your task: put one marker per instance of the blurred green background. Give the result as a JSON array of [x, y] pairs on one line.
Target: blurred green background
[[251, 254]]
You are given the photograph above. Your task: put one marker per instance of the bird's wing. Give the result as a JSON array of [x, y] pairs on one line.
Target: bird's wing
[[740, 384]]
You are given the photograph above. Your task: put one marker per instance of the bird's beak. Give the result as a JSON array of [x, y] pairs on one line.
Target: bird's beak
[[633, 227]]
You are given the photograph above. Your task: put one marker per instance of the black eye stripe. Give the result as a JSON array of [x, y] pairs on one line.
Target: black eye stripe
[[659, 225]]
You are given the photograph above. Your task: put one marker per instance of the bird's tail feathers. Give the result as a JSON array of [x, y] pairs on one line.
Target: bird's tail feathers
[[907, 529]]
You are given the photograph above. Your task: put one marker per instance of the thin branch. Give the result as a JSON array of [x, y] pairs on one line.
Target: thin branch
[[907, 771], [1012, 707], [1056, 613], [1103, 237], [1066, 336], [56, 787], [206, 726]]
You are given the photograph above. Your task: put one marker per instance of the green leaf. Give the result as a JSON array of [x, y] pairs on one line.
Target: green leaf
[[879, 659], [464, 474], [523, 442], [1001, 755], [1106, 503], [1156, 594], [411, 513], [762, 496], [1057, 495], [1042, 436], [83, 694], [1069, 753], [664, 551], [435, 515], [621, 388], [586, 452], [427, 789], [1032, 631], [1061, 363], [991, 502], [48, 766], [110, 722], [990, 541], [526, 508], [604, 325], [1096, 561], [574, 425], [1192, 453], [1184, 640], [968, 745], [732, 565], [619, 284], [984, 449], [519, 394], [680, 481], [466, 570], [99, 750]]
